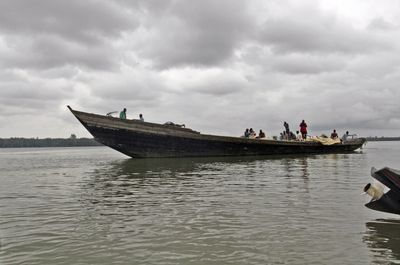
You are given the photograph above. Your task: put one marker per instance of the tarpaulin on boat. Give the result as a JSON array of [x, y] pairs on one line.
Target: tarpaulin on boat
[[324, 140]]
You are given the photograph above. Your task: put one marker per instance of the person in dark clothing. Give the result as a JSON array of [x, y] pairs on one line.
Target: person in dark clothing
[[284, 136], [334, 134], [286, 125], [292, 136], [303, 129], [261, 134], [246, 133]]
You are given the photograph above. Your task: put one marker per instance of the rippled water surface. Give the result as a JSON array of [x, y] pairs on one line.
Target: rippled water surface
[[95, 206]]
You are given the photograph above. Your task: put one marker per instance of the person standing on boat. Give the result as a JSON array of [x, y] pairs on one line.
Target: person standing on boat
[[303, 129], [334, 135], [122, 114], [345, 136], [286, 125], [141, 117]]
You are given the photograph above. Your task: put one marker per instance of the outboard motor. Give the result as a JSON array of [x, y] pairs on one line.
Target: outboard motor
[[375, 190], [387, 180]]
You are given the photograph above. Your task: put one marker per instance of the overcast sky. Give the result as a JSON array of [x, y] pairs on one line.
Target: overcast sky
[[217, 66]]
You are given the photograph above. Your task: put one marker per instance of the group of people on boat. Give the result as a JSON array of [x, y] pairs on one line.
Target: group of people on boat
[[122, 115], [300, 135], [287, 134], [345, 136], [250, 133]]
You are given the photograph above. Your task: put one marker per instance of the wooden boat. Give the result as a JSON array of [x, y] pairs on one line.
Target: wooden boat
[[140, 139]]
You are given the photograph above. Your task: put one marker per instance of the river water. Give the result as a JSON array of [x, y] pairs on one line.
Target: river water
[[95, 206]]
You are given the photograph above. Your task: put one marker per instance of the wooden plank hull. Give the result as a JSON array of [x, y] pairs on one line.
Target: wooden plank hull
[[143, 139]]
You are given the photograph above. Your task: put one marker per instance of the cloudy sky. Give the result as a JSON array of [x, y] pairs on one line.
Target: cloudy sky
[[217, 66]]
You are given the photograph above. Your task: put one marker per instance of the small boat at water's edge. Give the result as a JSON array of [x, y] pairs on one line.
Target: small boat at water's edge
[[140, 139]]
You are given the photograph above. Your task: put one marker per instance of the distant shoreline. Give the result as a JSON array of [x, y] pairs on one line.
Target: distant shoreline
[[46, 142], [382, 139]]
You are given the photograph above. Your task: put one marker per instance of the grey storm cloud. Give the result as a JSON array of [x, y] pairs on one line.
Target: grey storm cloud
[[22, 94], [47, 34], [199, 33], [81, 21], [46, 52], [217, 66]]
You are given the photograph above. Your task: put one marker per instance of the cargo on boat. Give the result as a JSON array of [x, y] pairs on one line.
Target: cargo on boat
[[139, 139]]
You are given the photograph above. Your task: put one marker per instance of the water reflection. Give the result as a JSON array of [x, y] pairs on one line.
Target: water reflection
[[295, 165], [383, 239], [124, 181], [207, 206], [304, 167], [144, 171], [242, 210]]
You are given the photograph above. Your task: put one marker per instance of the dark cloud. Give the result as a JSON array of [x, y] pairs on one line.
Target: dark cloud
[[47, 52], [199, 33], [22, 94], [80, 21], [49, 34]]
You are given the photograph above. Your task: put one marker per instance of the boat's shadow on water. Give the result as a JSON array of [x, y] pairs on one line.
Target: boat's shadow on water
[[122, 177], [139, 168], [383, 239], [127, 178], [132, 170]]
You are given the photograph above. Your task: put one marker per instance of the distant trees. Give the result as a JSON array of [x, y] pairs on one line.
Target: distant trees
[[382, 138], [47, 142]]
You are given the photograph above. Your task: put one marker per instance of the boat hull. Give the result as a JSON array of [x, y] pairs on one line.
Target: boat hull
[[142, 140]]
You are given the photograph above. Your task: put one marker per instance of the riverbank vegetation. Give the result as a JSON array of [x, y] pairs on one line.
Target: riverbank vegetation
[[47, 142], [382, 138]]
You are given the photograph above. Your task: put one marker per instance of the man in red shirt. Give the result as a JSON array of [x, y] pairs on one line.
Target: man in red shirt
[[303, 129]]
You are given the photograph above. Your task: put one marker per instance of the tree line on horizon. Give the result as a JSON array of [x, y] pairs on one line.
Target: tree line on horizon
[[382, 138], [47, 142]]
